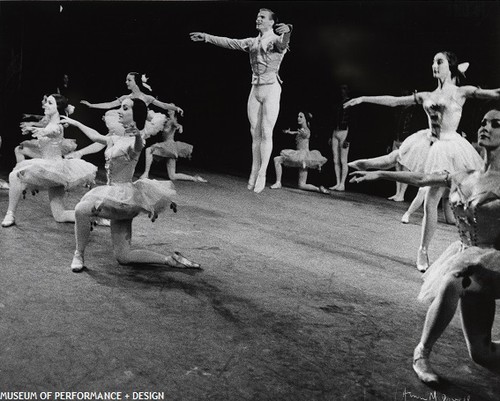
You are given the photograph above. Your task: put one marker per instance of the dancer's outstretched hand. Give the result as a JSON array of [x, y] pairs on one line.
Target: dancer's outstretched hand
[[353, 102], [67, 120], [197, 36], [360, 176], [85, 103]]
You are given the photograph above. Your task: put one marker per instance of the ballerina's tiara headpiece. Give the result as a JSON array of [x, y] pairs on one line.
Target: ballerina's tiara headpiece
[[144, 80], [462, 67]]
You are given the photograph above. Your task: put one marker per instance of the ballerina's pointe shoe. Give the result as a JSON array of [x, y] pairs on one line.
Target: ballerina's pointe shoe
[[323, 190], [422, 366], [405, 219], [197, 178], [260, 184], [179, 261], [422, 260], [77, 264], [9, 219]]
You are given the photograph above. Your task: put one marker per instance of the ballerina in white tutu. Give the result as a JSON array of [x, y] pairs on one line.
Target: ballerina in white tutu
[[121, 199], [31, 148], [171, 150], [438, 147], [301, 158], [137, 85], [469, 270], [50, 171]]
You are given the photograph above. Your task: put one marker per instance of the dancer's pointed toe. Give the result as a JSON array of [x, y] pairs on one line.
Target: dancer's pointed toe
[[422, 366]]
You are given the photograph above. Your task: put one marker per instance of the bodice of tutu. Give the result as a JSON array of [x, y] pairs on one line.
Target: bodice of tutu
[[51, 147], [302, 139], [444, 110], [478, 218], [168, 133], [121, 159]]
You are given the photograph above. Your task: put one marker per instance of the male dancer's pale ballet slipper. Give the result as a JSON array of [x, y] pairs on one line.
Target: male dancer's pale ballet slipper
[[406, 218], [334, 188], [396, 198], [276, 185], [144, 176], [260, 183], [179, 261], [9, 219], [77, 265], [422, 259], [323, 190], [339, 188], [251, 181], [422, 366]]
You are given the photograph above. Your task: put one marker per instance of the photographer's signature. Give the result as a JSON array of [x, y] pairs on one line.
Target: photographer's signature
[[432, 396]]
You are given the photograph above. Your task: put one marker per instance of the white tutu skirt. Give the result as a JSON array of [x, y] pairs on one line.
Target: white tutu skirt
[[414, 150], [452, 153], [172, 149], [126, 200], [422, 153], [154, 123], [67, 146], [50, 173], [484, 263], [311, 159]]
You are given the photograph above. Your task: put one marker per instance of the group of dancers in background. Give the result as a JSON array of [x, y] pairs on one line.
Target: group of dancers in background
[[436, 158]]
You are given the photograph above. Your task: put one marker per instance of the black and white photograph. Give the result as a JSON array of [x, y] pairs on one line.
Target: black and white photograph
[[249, 200]]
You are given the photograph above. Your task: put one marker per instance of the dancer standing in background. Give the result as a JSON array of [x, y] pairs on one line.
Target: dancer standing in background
[[266, 53], [302, 157], [403, 127], [340, 145]]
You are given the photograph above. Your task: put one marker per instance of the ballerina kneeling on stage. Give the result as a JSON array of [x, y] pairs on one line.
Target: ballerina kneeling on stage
[[121, 199], [171, 150], [302, 157], [49, 170]]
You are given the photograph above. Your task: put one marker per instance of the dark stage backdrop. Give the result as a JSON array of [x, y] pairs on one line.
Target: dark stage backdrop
[[374, 47]]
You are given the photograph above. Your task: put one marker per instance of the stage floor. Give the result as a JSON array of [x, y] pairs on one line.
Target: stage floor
[[303, 296]]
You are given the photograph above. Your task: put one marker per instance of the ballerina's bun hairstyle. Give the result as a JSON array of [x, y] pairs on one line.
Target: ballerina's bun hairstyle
[[139, 82], [61, 102], [139, 113], [308, 116], [456, 71]]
